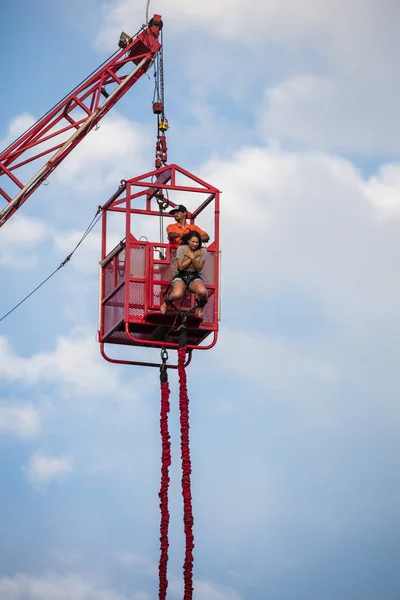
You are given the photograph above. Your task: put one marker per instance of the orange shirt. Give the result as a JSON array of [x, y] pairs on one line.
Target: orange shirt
[[176, 228]]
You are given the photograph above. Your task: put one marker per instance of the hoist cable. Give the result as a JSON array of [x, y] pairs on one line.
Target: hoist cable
[[186, 471], [165, 464], [147, 12], [161, 70], [64, 262]]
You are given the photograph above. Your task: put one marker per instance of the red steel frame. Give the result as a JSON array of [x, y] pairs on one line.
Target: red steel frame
[[164, 180], [80, 111]]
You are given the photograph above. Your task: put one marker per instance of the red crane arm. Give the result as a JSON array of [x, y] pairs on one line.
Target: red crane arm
[[64, 126]]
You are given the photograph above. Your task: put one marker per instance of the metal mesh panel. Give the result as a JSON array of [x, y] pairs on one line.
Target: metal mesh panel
[[164, 272], [208, 317], [208, 270], [158, 297], [120, 337], [108, 274], [136, 299], [114, 311], [138, 262], [120, 264]]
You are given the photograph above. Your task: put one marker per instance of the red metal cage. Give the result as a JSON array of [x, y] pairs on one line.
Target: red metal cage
[[135, 273]]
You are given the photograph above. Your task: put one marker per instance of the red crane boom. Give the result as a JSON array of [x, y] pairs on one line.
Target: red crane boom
[[78, 113]]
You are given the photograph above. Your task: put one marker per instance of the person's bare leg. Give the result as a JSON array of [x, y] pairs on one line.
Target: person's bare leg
[[178, 290], [198, 288]]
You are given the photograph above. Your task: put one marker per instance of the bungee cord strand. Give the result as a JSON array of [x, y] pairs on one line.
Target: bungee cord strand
[[186, 471], [165, 464]]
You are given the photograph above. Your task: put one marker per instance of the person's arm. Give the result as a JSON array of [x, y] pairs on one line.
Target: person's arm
[[198, 265], [182, 260], [199, 261], [183, 263], [173, 235], [176, 235], [204, 235]]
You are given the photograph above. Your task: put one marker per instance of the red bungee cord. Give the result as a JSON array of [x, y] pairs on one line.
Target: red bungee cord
[[165, 464], [186, 471]]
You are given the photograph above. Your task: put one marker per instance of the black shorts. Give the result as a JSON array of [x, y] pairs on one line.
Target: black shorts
[[187, 277]]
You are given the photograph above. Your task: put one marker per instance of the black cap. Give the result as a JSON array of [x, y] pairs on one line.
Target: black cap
[[178, 208]]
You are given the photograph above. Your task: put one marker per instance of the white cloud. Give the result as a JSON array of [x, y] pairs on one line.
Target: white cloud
[[203, 590], [312, 228], [226, 18], [106, 155], [322, 22], [19, 420], [383, 190], [327, 113], [16, 127], [324, 56], [43, 469], [18, 241], [88, 254], [138, 563], [75, 364], [58, 587], [281, 364]]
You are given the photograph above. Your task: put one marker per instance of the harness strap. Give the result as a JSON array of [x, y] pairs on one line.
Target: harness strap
[[201, 303]]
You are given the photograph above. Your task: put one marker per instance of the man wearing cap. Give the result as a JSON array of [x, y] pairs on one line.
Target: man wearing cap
[[176, 230]]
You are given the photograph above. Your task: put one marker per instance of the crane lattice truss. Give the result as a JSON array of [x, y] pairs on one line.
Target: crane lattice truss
[[56, 134]]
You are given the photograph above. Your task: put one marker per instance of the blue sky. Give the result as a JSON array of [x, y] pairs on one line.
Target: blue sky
[[292, 112]]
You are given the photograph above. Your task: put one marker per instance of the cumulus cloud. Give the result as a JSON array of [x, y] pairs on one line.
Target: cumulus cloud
[[203, 590], [16, 127], [43, 469], [334, 28], [19, 241], [20, 420], [58, 587], [383, 190], [280, 364], [88, 254], [326, 113], [209, 591], [229, 19], [76, 587], [75, 366], [106, 155], [313, 228], [323, 57]]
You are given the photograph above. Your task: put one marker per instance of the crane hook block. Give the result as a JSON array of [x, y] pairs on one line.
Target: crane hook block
[[163, 126], [157, 108]]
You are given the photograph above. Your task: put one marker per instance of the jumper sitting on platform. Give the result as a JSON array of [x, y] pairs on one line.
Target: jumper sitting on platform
[[190, 257]]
